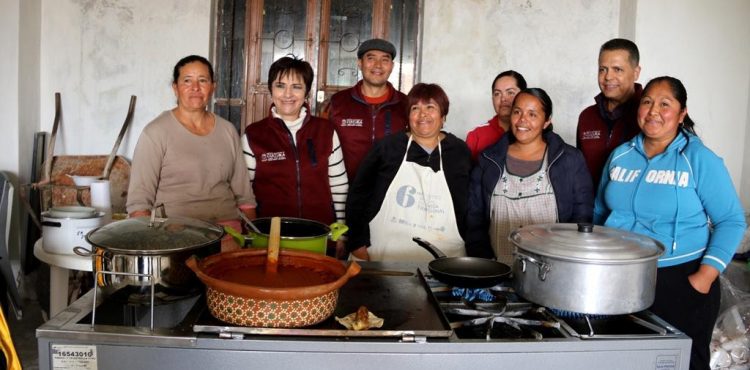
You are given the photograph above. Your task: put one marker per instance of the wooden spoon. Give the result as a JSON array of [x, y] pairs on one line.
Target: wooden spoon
[[274, 240]]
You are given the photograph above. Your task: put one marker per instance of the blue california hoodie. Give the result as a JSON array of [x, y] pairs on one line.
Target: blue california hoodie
[[671, 198]]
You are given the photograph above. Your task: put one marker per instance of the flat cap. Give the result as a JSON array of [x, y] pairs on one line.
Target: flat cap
[[376, 44]]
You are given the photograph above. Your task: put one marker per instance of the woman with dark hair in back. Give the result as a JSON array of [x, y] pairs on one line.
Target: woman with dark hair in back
[[666, 184], [411, 185], [504, 89], [530, 176]]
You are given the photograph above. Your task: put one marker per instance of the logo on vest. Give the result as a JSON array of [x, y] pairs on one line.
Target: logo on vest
[[591, 135], [272, 156], [351, 122], [660, 177]]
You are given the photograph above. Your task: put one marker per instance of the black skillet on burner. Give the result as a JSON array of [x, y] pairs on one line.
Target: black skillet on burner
[[464, 272]]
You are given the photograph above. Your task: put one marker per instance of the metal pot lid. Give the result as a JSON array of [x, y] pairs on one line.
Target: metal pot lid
[[141, 236], [71, 212], [586, 243]]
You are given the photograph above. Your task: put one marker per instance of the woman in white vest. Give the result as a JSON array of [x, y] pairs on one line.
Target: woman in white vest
[[411, 184]]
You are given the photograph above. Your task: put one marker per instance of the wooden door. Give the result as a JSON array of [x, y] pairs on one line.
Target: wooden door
[[276, 29], [252, 34]]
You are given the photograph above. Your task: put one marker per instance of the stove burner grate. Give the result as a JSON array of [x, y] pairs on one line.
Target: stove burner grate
[[508, 323]]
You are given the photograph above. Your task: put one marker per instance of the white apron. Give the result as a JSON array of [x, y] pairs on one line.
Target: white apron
[[417, 203]]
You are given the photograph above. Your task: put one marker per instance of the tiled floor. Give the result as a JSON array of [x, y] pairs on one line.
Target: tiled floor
[[24, 336], [24, 331]]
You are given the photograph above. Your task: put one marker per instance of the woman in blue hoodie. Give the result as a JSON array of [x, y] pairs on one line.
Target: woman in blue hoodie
[[666, 184]]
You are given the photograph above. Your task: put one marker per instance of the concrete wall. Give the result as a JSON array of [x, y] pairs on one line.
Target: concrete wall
[[745, 182], [28, 89], [9, 40], [554, 52], [99, 52], [555, 44], [705, 45]]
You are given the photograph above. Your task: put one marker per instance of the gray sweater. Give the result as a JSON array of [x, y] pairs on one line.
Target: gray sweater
[[202, 177]]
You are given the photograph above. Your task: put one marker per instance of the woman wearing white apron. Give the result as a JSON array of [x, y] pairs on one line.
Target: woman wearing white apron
[[411, 184], [529, 177]]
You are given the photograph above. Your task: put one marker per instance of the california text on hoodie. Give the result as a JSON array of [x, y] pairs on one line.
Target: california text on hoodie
[[671, 198]]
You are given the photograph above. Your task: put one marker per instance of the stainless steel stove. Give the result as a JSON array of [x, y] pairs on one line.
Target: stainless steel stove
[[426, 326], [497, 313]]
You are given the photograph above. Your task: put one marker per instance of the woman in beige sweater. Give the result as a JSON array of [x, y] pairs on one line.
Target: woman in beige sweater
[[189, 159]]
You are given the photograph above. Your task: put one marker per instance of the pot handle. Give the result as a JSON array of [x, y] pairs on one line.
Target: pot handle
[[434, 251], [51, 224], [337, 229], [353, 269], [542, 266], [83, 252], [192, 263], [236, 235]]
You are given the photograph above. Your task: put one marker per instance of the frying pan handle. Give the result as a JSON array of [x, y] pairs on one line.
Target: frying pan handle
[[437, 253]]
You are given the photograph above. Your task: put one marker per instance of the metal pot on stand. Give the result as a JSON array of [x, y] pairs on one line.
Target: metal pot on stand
[[139, 251], [584, 268]]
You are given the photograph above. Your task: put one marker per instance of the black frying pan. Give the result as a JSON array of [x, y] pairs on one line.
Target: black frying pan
[[464, 272]]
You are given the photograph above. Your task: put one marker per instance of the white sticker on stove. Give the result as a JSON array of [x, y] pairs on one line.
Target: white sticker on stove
[[666, 362], [69, 357]]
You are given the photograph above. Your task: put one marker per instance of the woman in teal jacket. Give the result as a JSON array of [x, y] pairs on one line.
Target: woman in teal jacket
[[666, 184]]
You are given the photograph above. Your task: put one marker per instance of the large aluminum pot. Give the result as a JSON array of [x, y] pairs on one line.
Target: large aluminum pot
[[270, 306], [66, 227], [154, 248], [585, 269]]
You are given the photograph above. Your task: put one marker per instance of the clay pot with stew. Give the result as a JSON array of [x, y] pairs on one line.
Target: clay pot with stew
[[303, 291]]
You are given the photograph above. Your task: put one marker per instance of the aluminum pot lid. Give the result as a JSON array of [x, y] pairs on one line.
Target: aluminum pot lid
[[586, 243], [140, 235], [71, 212]]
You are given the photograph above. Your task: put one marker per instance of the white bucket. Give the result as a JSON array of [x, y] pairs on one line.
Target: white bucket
[[60, 235]]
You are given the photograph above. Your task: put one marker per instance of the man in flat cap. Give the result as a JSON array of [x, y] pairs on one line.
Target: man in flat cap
[[372, 108]]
